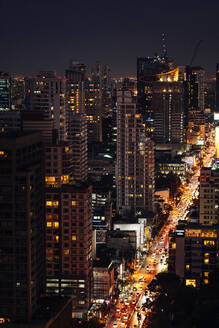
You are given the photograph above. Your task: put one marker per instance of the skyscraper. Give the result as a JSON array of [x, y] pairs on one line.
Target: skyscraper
[[209, 196], [5, 92], [93, 107], [76, 117], [134, 163], [168, 108], [22, 248], [68, 229], [147, 68], [46, 93]]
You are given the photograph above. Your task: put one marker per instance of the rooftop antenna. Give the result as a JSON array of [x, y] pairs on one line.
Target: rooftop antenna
[[164, 48]]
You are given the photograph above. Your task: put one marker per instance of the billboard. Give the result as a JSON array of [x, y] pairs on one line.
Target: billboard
[[216, 116]]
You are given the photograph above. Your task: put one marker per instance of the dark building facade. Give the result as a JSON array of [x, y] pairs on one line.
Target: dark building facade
[[22, 277], [193, 253]]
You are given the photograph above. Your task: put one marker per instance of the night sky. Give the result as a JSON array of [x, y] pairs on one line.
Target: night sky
[[44, 34]]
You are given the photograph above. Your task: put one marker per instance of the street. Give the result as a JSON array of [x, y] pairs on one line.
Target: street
[[129, 311]]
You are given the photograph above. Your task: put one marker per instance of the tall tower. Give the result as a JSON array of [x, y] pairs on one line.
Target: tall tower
[[209, 196], [134, 152], [5, 92], [168, 108], [76, 118], [22, 232], [68, 229], [46, 93]]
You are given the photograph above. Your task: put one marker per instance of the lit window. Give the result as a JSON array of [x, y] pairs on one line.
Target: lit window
[[55, 224], [66, 251], [187, 266], [65, 179], [48, 203], [206, 255], [173, 245], [48, 224], [55, 203], [206, 261], [205, 281], [73, 237], [191, 282], [57, 238], [73, 203], [206, 274]]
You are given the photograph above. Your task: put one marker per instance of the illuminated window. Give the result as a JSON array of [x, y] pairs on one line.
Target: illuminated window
[[66, 251], [57, 238], [206, 261], [48, 203], [56, 224], [66, 149], [206, 274], [50, 181], [73, 237], [173, 245], [65, 179], [187, 266], [191, 282], [206, 255], [48, 224], [48, 217], [73, 203], [55, 203], [209, 242], [206, 281]]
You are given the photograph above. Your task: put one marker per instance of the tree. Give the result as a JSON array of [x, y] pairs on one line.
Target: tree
[[171, 181]]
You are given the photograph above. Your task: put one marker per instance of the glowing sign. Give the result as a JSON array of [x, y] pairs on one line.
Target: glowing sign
[[216, 116]]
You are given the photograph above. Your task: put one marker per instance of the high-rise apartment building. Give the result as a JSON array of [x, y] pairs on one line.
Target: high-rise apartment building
[[68, 229], [93, 107], [77, 134], [167, 106], [209, 196], [46, 93], [5, 91], [160, 99], [135, 163], [147, 68], [193, 253], [22, 237], [76, 118], [194, 101], [75, 83]]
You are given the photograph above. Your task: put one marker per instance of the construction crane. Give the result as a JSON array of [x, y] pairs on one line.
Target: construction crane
[[195, 52]]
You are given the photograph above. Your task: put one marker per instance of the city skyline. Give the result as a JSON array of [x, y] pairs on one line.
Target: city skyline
[[42, 36]]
